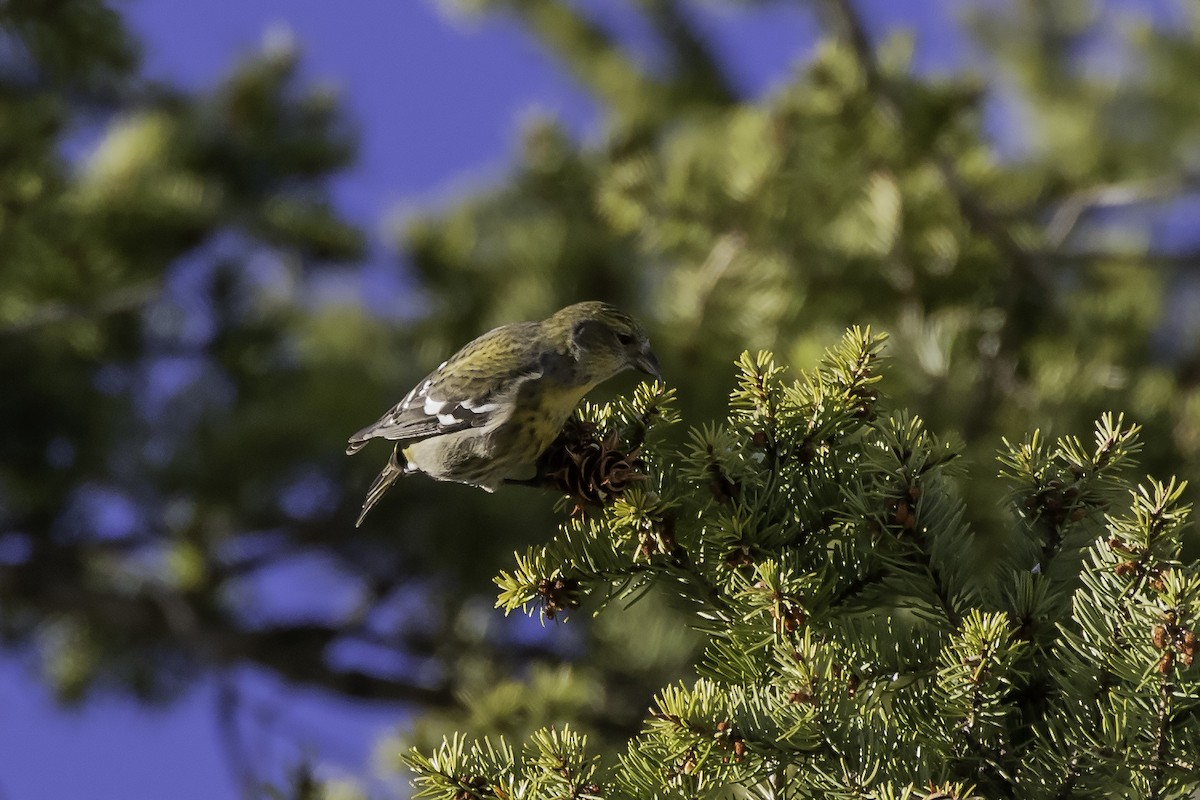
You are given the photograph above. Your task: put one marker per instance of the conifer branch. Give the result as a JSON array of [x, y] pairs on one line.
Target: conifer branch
[[845, 652]]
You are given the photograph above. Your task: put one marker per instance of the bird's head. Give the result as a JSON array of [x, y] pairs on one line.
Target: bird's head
[[604, 340]]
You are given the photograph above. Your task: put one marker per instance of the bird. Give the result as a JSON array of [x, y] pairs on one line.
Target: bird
[[485, 415]]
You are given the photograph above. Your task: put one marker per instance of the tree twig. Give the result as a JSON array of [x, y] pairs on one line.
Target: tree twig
[[1075, 207], [128, 298], [227, 702], [698, 73], [115, 302]]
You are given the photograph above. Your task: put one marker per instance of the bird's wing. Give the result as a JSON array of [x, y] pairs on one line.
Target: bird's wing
[[468, 390]]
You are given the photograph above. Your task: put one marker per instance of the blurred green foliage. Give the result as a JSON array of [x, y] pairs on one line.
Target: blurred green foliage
[[168, 351]]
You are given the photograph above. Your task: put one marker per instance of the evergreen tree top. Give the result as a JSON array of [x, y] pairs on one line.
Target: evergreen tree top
[[859, 640]]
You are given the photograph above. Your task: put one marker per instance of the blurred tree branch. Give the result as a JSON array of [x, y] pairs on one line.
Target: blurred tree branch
[[588, 52], [1072, 209], [697, 74], [125, 299]]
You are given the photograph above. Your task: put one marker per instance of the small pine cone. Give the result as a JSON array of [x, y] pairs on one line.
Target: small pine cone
[[723, 490], [1126, 568], [794, 620], [558, 594], [1187, 648], [1159, 636], [901, 510], [1120, 546], [739, 557], [865, 402], [665, 531], [1027, 628], [589, 470], [1053, 503]]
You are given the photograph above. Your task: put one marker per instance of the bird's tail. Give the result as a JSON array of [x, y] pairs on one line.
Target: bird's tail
[[394, 470]]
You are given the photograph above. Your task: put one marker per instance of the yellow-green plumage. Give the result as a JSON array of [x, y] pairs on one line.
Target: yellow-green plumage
[[487, 413]]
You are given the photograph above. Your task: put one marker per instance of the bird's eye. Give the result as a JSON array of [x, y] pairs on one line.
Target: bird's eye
[[625, 339]]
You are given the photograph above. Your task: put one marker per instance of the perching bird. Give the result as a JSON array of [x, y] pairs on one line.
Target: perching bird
[[486, 413]]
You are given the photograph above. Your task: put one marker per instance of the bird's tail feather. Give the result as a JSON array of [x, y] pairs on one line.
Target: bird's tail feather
[[391, 473]]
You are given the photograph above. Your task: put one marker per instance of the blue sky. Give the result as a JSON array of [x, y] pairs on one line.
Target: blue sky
[[438, 102]]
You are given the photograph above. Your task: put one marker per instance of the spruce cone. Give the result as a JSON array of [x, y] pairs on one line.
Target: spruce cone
[[590, 470], [558, 595]]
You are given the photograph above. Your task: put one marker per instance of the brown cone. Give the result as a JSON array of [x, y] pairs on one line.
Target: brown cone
[[590, 470]]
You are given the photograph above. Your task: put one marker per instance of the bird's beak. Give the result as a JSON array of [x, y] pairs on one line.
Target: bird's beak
[[647, 362]]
